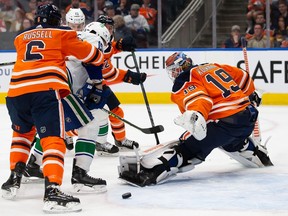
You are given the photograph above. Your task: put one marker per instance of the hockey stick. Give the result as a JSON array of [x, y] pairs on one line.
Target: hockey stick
[[7, 63], [145, 97], [256, 134], [151, 130]]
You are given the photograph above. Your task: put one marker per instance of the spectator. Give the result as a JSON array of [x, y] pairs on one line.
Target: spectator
[[260, 18], [259, 40], [284, 44], [75, 4], [149, 13], [138, 25], [281, 32], [234, 41], [32, 9], [121, 30], [17, 22], [26, 23], [123, 8], [282, 8], [109, 9], [7, 14], [100, 6], [254, 6], [2, 26]]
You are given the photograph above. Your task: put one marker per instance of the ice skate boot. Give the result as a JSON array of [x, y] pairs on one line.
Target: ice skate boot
[[126, 144], [11, 186], [32, 173], [80, 178], [55, 201], [107, 149]]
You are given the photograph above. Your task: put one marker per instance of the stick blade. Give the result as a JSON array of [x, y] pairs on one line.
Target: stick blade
[[153, 130]]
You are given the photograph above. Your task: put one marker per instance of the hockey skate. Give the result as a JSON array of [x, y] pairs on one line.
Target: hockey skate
[[55, 201], [69, 143], [107, 149], [126, 144], [32, 172], [11, 186], [80, 178], [252, 155]]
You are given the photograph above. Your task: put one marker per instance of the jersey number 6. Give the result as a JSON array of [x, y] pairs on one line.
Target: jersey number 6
[[30, 55]]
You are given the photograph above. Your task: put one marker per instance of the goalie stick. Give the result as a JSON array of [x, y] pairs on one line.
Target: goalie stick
[[256, 134], [151, 130]]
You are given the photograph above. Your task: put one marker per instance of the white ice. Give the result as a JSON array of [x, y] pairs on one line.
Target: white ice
[[217, 187]]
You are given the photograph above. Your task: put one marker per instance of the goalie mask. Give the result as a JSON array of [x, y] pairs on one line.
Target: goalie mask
[[176, 64], [99, 30], [75, 19]]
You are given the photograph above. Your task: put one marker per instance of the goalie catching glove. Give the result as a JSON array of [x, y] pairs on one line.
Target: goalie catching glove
[[126, 44], [93, 96], [193, 122], [134, 78]]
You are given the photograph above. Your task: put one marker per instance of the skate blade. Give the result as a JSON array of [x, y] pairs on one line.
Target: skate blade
[[125, 149], [10, 194], [32, 180], [51, 207], [106, 154], [81, 188]]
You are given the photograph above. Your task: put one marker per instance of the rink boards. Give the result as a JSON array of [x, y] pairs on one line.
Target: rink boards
[[269, 68]]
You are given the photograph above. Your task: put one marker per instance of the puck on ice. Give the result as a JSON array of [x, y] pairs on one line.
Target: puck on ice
[[126, 195]]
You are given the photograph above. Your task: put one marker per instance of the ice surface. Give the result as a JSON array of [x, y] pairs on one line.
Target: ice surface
[[218, 187]]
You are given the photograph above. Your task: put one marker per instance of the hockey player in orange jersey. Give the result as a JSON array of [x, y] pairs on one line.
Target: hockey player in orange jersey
[[39, 81], [215, 112], [116, 75]]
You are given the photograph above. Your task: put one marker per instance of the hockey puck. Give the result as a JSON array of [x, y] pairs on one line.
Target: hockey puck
[[126, 195]]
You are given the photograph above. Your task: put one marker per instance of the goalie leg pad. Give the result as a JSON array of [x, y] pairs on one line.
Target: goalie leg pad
[[252, 155]]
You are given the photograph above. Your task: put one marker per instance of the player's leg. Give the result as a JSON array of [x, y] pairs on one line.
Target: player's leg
[[84, 154], [103, 147], [118, 127], [250, 153], [23, 136], [191, 151], [48, 115], [33, 170], [77, 116]]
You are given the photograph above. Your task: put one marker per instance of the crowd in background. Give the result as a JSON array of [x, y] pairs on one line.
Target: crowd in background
[[139, 19], [257, 34], [132, 17]]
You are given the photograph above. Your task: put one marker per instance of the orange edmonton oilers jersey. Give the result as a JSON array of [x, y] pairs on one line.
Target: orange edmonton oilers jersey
[[110, 73], [40, 64], [216, 91]]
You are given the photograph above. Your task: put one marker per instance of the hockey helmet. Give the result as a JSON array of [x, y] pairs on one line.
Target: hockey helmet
[[176, 64], [48, 14], [99, 29], [75, 19]]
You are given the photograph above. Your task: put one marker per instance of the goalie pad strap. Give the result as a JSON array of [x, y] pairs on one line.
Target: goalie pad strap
[[165, 163]]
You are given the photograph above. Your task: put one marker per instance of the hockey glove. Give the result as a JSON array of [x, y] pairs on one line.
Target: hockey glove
[[193, 122], [126, 44], [92, 97], [134, 78], [255, 98]]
